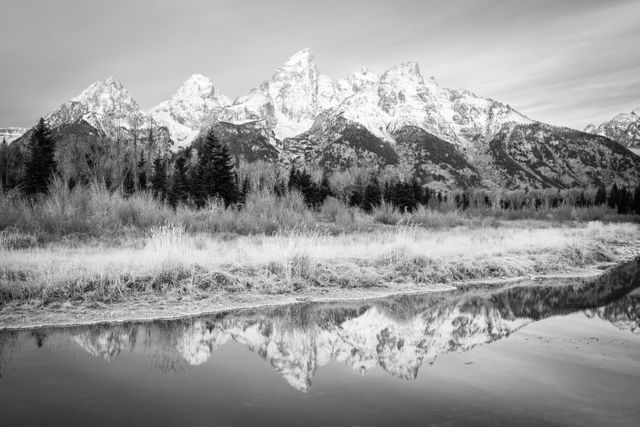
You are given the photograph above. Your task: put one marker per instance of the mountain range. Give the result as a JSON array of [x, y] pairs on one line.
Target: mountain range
[[399, 119]]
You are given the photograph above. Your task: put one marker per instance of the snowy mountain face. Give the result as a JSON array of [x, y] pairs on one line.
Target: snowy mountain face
[[106, 105], [402, 97], [624, 128], [185, 113], [287, 102], [10, 134], [297, 96], [447, 138], [292, 98]]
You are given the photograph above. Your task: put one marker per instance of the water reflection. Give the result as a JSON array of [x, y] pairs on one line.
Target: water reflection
[[396, 334]]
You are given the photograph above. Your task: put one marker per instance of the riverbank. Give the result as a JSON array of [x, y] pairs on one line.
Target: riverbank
[[172, 273]]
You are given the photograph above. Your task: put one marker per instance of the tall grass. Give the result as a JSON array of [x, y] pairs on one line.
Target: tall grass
[[173, 261], [96, 211]]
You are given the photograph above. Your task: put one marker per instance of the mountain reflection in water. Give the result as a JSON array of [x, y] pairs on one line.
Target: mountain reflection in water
[[397, 334]]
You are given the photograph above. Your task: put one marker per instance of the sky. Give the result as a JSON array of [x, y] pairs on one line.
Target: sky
[[565, 62]]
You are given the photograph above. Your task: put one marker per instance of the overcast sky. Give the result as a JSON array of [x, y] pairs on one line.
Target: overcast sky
[[566, 62]]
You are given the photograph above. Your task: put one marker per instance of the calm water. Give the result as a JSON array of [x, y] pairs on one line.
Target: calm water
[[525, 356]]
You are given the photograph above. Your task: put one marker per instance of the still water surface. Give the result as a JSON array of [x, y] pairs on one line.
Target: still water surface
[[527, 355]]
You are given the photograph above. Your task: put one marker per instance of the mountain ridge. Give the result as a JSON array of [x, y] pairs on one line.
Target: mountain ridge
[[300, 115], [624, 127]]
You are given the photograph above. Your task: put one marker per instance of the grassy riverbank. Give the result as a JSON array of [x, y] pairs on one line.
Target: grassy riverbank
[[91, 249], [171, 261]]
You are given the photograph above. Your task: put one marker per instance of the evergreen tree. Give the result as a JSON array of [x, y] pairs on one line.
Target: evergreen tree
[[142, 172], [279, 188], [614, 196], [159, 178], [314, 194], [372, 196], [244, 191], [623, 201], [404, 196], [636, 200], [355, 198], [458, 201], [601, 196], [418, 192], [214, 173], [582, 200], [179, 191], [42, 164], [324, 190], [204, 187], [427, 196], [129, 183], [4, 164], [225, 179], [293, 175]]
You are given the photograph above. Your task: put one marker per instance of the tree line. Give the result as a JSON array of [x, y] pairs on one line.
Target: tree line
[[196, 176]]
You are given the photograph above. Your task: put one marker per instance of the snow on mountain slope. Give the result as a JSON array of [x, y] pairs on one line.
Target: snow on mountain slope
[[186, 111], [10, 134], [292, 98], [104, 104], [402, 97], [624, 128], [287, 102]]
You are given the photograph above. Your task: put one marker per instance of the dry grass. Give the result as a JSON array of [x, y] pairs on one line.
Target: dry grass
[[95, 212], [172, 260]]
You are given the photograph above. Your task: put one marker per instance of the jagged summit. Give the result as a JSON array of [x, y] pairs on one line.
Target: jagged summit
[[624, 128], [186, 111], [101, 104], [303, 56]]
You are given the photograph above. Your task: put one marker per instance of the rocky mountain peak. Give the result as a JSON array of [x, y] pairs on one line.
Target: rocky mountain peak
[[107, 96], [288, 102], [624, 128], [196, 85], [103, 100], [303, 57], [185, 113], [362, 78]]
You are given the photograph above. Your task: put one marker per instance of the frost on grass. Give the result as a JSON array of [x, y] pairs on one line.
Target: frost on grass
[[173, 262]]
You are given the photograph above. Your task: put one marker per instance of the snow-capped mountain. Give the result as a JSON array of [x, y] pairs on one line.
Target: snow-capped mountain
[[287, 102], [297, 96], [624, 128], [185, 113], [448, 138], [106, 105], [10, 134], [402, 97]]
